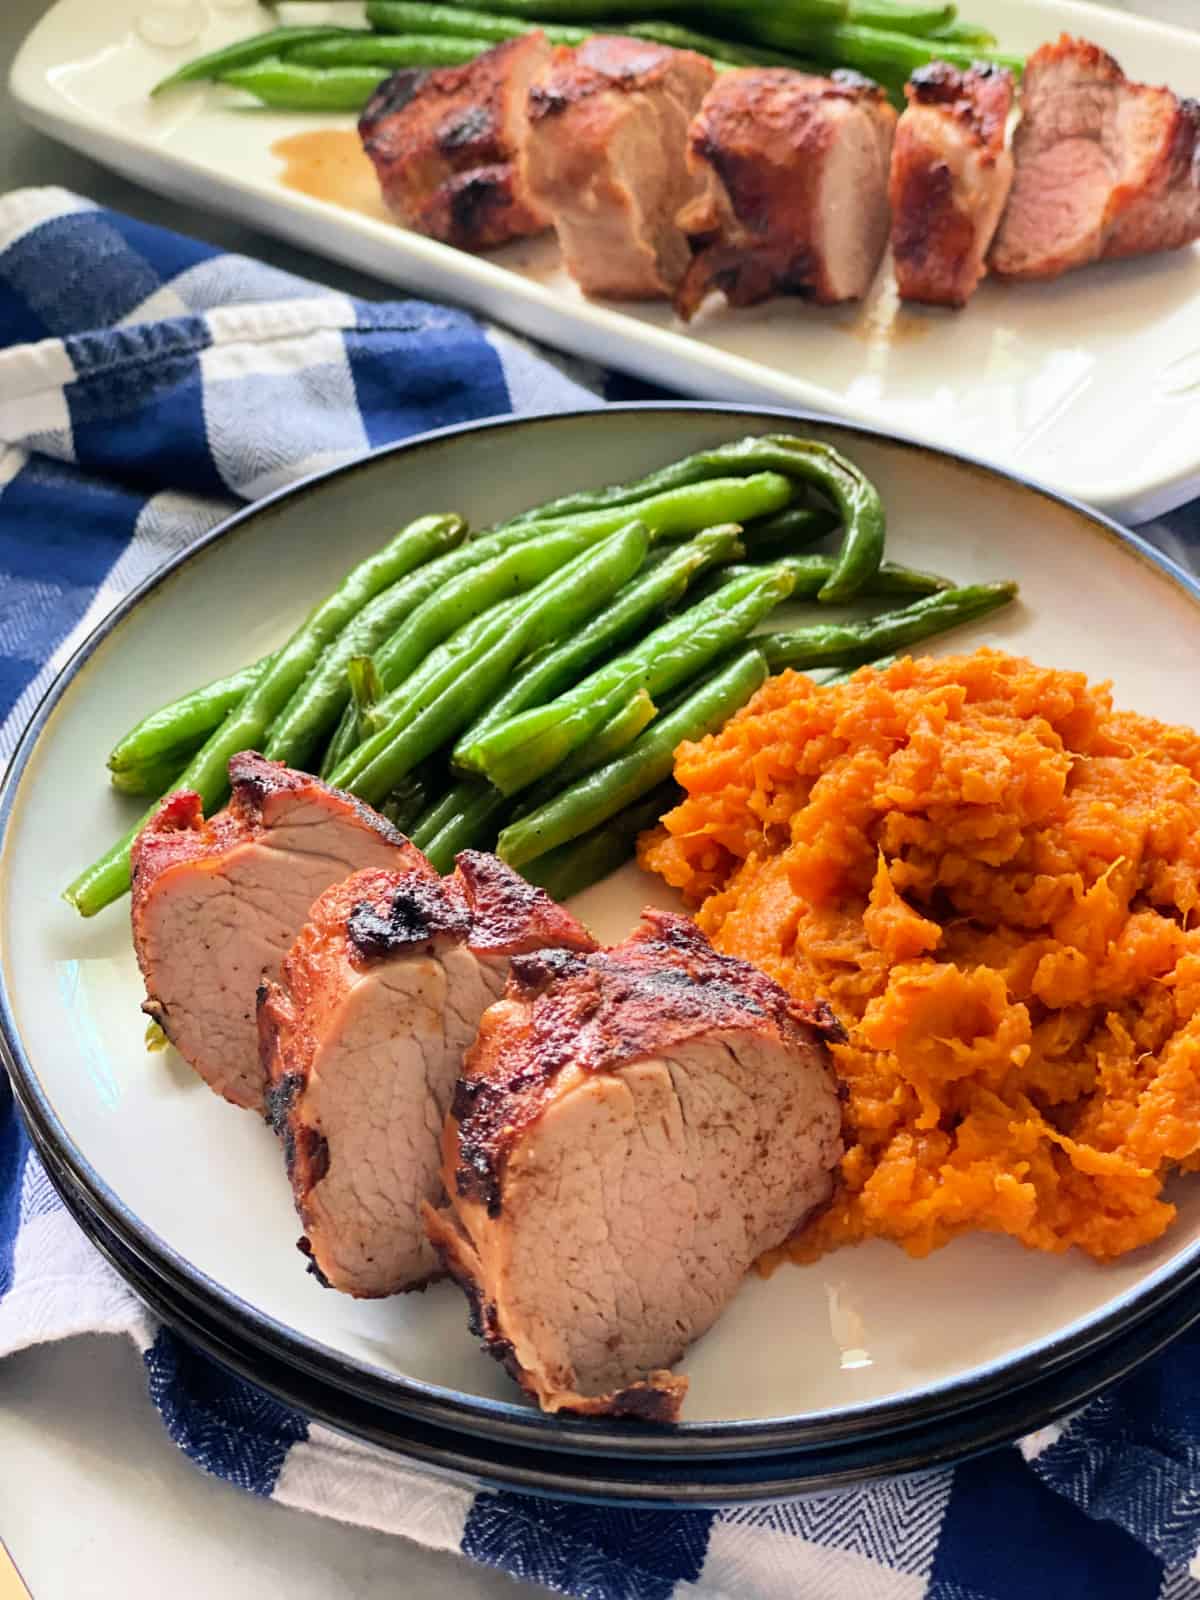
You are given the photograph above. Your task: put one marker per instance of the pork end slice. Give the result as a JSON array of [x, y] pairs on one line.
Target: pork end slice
[[362, 1040], [605, 157], [217, 903], [1104, 168], [632, 1130], [448, 146], [793, 175], [950, 180]]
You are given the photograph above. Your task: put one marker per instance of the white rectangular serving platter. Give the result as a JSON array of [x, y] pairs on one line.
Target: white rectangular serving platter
[[1090, 384]]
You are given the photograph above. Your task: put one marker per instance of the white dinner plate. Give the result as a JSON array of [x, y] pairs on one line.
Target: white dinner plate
[[860, 1340], [1090, 384]]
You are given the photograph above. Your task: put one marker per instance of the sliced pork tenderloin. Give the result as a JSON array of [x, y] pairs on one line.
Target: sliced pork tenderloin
[[362, 1039], [605, 156], [793, 199], [1104, 167], [950, 181], [447, 146], [634, 1127], [217, 903]]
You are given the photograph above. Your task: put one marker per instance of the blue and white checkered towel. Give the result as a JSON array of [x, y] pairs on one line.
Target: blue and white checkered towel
[[147, 384]]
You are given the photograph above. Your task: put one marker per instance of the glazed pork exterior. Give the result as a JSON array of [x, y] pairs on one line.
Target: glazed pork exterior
[[794, 176], [447, 146], [951, 176], [1104, 167], [633, 1129], [217, 903], [608, 125], [363, 1038]]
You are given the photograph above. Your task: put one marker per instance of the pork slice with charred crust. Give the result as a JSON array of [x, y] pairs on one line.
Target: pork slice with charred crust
[[608, 123], [363, 1038], [634, 1127], [448, 145], [217, 903], [794, 174], [1104, 167], [951, 176]]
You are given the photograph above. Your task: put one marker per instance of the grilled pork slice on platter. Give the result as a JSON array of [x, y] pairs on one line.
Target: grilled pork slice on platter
[[633, 1128], [794, 176], [951, 176], [363, 1038], [608, 126], [1104, 167], [447, 146], [217, 903]]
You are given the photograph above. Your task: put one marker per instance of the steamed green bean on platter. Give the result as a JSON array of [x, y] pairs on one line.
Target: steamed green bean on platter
[[521, 686]]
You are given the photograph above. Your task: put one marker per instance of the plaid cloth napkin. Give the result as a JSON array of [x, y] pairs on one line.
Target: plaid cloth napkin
[[147, 385]]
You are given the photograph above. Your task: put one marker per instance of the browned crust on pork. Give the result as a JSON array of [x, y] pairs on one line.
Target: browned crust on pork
[[507, 914], [760, 139], [601, 64], [665, 986], [950, 178], [446, 145]]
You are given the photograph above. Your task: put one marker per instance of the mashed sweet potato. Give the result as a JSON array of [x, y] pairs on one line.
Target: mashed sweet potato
[[994, 879]]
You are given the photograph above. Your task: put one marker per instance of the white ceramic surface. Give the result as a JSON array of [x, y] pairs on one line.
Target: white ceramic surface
[[1091, 384], [860, 1326]]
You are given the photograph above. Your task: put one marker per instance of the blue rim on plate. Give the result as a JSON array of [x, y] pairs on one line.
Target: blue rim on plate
[[632, 1482], [270, 1346]]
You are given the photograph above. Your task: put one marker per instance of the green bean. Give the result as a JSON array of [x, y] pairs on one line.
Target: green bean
[[964, 33], [854, 643], [449, 698], [723, 53], [792, 529], [244, 53], [435, 817], [516, 753], [408, 800], [181, 728], [621, 729], [286, 87], [739, 15], [810, 572], [855, 497], [317, 704], [718, 462], [578, 864], [155, 778], [390, 50], [415, 16], [243, 729], [648, 761], [470, 827], [852, 493], [365, 687], [678, 512], [878, 52], [555, 669]]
